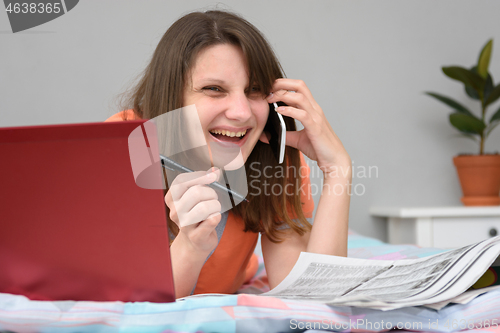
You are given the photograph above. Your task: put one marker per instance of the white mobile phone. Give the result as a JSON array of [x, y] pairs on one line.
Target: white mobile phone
[[277, 129]]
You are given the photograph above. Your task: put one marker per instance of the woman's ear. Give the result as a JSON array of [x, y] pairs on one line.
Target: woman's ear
[[264, 137]]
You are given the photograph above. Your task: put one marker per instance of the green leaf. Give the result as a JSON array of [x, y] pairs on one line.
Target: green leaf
[[450, 102], [490, 128], [496, 116], [493, 95], [469, 90], [467, 124], [484, 59], [488, 87], [468, 77]]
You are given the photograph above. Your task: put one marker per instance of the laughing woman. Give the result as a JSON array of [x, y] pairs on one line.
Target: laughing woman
[[224, 66]]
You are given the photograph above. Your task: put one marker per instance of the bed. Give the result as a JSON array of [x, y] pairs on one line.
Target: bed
[[246, 311]]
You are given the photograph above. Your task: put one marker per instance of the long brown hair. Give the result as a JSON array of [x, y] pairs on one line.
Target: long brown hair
[[161, 87]]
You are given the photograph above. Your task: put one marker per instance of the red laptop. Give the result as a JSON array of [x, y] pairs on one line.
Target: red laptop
[[73, 223]]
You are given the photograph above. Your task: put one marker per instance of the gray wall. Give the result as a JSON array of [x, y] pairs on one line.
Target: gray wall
[[366, 62]]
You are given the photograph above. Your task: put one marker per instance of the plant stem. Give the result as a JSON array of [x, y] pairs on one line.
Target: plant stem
[[481, 147]]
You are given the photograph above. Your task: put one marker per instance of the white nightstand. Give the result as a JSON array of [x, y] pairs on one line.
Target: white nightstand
[[443, 227]]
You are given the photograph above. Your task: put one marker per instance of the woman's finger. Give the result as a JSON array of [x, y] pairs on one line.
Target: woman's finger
[[297, 100], [184, 181], [194, 195], [209, 224], [200, 212], [311, 122], [200, 231], [290, 85]]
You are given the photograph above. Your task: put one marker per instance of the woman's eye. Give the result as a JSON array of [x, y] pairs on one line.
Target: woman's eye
[[254, 91], [214, 89]]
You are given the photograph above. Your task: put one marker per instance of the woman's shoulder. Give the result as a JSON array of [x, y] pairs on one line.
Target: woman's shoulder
[[123, 116]]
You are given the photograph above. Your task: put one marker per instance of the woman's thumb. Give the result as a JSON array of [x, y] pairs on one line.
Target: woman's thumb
[[214, 172], [292, 139]]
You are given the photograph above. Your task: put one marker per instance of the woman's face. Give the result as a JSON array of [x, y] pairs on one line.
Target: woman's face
[[232, 111]]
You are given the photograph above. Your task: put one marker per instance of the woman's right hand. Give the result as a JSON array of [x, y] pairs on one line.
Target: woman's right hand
[[195, 209]]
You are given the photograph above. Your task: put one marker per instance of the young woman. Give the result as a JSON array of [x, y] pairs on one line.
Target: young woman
[[224, 66]]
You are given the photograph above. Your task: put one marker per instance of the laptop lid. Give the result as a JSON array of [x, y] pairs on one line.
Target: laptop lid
[[73, 223]]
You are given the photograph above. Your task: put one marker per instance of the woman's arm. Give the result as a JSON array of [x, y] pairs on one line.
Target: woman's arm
[[196, 211], [188, 261], [328, 234], [331, 222]]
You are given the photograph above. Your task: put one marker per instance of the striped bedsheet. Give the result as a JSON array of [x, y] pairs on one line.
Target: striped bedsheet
[[249, 312]]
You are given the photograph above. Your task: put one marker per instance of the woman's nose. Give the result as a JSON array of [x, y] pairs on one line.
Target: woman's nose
[[239, 108]]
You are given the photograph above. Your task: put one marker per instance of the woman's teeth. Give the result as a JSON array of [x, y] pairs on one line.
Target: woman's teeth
[[228, 133]]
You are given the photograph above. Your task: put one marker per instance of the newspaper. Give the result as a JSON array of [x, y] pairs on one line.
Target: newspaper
[[387, 284], [464, 298]]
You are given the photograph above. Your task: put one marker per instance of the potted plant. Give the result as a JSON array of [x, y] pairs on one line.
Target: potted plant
[[479, 174]]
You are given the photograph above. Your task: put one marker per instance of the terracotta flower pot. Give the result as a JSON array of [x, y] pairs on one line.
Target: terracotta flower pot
[[480, 179]]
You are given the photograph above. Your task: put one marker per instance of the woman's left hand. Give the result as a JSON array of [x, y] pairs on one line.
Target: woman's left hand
[[317, 140]]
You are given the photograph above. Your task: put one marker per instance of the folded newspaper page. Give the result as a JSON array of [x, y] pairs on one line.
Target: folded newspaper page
[[464, 298], [387, 284]]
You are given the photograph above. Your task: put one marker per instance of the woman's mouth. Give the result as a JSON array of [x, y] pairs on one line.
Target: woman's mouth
[[221, 135]]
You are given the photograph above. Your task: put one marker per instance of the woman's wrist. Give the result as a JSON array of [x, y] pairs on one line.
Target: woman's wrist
[[341, 171], [183, 245], [187, 263]]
